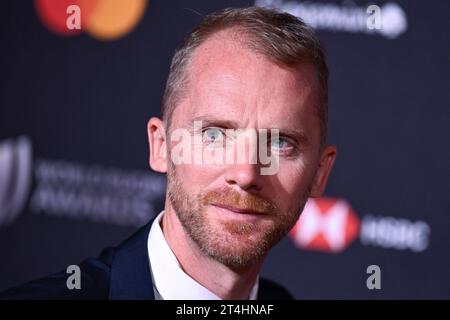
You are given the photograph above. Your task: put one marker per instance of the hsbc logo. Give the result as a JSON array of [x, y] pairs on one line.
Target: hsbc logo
[[326, 225], [331, 225]]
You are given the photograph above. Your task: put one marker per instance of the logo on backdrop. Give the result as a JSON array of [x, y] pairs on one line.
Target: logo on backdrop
[[73, 190], [15, 177], [326, 225], [346, 17], [102, 19], [331, 225]]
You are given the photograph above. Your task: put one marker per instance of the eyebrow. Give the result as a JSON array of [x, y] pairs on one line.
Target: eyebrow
[[298, 135], [209, 121]]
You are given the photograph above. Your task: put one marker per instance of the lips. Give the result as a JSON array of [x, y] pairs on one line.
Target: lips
[[237, 210]]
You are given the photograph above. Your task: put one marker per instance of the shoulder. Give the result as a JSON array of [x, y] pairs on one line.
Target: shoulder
[[270, 290], [120, 272], [95, 275]]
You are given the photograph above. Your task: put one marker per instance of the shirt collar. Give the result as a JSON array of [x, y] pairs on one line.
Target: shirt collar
[[169, 279]]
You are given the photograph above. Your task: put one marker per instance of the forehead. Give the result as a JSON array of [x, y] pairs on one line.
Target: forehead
[[231, 82]]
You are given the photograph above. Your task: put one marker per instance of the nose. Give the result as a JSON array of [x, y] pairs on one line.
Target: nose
[[245, 176]]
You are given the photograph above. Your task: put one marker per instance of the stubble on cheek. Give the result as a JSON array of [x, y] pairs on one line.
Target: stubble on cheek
[[231, 242]]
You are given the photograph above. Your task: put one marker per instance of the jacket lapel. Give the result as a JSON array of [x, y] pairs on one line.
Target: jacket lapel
[[130, 270]]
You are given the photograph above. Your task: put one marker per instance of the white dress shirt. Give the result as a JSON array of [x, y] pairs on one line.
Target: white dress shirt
[[170, 282]]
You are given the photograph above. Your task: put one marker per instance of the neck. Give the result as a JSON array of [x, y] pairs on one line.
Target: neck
[[223, 281]]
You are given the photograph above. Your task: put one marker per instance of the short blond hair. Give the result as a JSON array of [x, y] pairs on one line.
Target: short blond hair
[[281, 37]]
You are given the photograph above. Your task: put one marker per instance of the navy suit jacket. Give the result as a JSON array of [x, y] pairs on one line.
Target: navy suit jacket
[[120, 273]]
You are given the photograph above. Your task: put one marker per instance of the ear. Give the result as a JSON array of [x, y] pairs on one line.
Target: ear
[[327, 157], [157, 143]]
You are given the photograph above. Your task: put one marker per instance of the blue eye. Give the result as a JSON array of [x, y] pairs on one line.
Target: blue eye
[[213, 135], [280, 143]]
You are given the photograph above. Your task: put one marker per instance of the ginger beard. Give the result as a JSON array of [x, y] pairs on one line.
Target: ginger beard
[[234, 243]]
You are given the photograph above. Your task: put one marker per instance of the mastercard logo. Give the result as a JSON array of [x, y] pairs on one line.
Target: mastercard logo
[[102, 19]]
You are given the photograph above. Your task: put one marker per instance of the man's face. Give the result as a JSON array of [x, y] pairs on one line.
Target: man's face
[[233, 213]]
